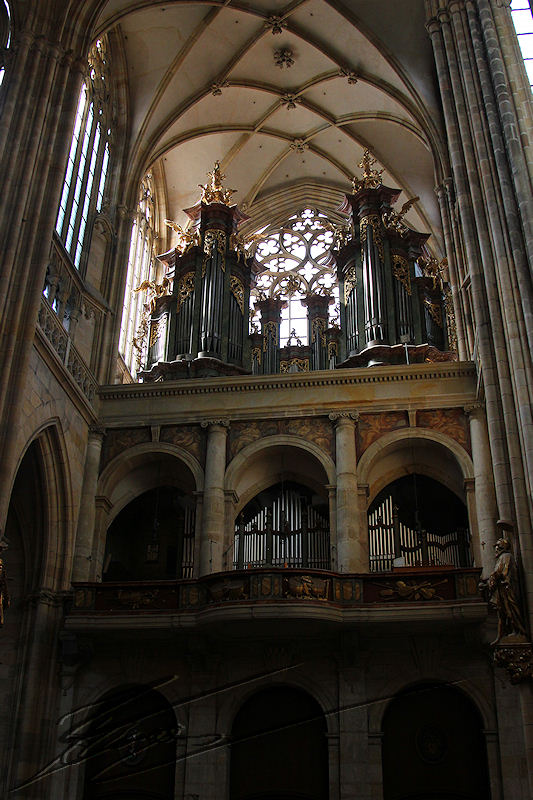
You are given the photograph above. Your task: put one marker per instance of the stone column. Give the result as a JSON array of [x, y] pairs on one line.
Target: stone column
[[485, 499], [349, 548], [212, 543], [86, 518]]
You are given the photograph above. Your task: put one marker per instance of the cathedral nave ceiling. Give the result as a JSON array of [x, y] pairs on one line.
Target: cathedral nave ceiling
[[204, 85]]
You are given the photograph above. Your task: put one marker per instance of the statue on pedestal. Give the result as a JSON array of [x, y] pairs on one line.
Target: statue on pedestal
[[502, 591]]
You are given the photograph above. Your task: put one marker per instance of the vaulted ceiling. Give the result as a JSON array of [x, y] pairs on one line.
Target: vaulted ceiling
[[286, 96]]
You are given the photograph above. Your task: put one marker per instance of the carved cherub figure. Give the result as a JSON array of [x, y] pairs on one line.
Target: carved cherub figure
[[502, 590]]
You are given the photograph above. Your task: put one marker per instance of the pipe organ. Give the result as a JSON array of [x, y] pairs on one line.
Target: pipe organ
[[394, 301]]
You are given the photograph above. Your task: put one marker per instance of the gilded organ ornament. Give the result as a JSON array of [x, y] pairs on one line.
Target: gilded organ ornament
[[185, 288], [371, 178], [374, 222], [400, 270], [211, 238], [186, 238], [237, 290], [213, 191]]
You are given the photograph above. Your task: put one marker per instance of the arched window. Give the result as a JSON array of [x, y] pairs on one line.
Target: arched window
[[417, 521], [295, 262], [141, 269], [523, 22], [5, 35], [88, 159], [286, 525]]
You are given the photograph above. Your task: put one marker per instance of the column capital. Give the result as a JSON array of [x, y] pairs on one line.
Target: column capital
[[223, 422], [97, 431], [343, 417], [473, 409]]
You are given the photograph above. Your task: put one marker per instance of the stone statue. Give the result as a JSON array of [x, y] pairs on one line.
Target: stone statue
[[502, 592], [4, 594]]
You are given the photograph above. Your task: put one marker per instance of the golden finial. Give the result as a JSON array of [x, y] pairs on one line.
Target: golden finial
[[371, 177], [213, 191]]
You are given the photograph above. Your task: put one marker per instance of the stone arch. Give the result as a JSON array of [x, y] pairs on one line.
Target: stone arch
[[140, 728], [401, 452], [55, 550], [137, 457], [271, 460], [131, 473], [436, 733], [239, 467], [402, 681], [427, 452], [305, 722]]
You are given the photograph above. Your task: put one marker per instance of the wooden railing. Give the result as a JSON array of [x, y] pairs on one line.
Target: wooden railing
[[425, 585]]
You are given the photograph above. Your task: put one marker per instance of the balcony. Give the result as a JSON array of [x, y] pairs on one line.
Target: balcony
[[408, 594]]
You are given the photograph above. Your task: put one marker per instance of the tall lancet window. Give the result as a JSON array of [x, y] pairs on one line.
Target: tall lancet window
[[5, 35], [141, 270], [88, 160], [523, 22]]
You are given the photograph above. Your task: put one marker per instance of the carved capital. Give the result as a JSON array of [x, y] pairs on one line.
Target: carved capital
[[223, 422], [473, 409], [97, 431], [342, 417], [517, 659]]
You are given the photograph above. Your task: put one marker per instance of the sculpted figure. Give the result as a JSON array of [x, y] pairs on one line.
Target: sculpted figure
[[503, 593]]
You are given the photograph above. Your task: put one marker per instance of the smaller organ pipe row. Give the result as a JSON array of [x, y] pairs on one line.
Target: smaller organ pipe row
[[391, 540], [287, 533]]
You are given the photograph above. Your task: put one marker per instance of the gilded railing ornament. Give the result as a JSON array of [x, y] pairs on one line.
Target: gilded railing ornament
[[512, 648], [213, 191], [371, 178]]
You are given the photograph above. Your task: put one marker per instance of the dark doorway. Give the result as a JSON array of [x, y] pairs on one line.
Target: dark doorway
[[131, 747], [433, 747], [279, 749]]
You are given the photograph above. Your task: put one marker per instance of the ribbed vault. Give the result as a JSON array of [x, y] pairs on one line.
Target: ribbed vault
[[204, 84]]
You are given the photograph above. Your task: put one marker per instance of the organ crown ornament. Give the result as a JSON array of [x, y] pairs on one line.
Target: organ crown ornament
[[371, 178], [213, 191]]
